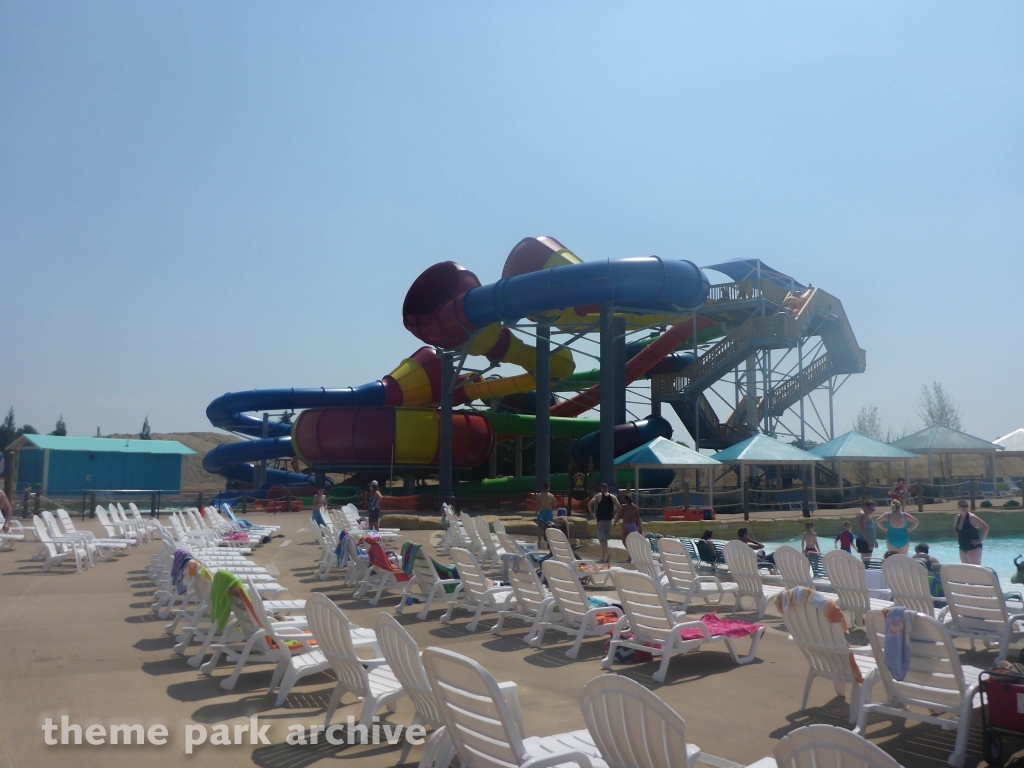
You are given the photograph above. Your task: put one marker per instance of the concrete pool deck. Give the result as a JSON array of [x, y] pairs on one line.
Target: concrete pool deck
[[88, 646]]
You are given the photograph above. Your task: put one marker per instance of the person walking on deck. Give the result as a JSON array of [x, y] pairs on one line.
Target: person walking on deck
[[970, 531], [602, 508]]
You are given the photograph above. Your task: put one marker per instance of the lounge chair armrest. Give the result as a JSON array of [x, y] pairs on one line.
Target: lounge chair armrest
[[557, 758], [677, 628], [709, 580], [380, 661]]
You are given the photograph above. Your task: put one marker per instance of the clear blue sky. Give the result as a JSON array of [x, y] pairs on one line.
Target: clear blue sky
[[204, 197]]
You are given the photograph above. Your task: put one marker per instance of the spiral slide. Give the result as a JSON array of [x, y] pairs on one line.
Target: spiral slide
[[394, 421]]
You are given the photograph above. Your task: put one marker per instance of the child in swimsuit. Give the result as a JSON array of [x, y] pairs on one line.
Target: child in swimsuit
[[810, 543]]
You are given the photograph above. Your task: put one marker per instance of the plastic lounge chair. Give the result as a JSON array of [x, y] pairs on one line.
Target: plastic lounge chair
[[482, 726], [590, 570], [115, 530], [425, 586], [493, 550], [515, 553], [977, 608], [475, 592], [640, 552], [823, 643], [476, 545], [55, 552], [94, 548], [632, 727], [656, 628], [67, 525], [795, 570], [825, 745], [531, 599], [403, 657], [907, 579], [369, 679], [356, 565], [681, 581], [381, 575], [846, 574], [743, 571], [575, 615], [937, 682]]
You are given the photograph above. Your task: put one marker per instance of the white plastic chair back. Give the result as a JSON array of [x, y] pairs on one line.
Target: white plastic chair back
[[975, 599], [631, 726], [474, 581], [43, 536], [742, 565], [558, 543], [264, 619], [794, 568], [509, 544], [640, 553], [847, 574], [677, 565], [65, 521], [827, 745], [476, 717], [907, 579], [423, 571], [484, 532], [476, 546], [333, 633], [649, 615], [403, 656], [936, 677], [529, 591], [565, 588], [822, 643], [499, 527], [51, 523]]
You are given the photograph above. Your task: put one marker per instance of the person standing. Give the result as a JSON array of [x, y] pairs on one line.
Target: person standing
[[900, 491], [971, 531], [319, 506], [629, 515], [373, 506], [545, 511], [7, 511], [867, 536], [602, 508], [897, 526]]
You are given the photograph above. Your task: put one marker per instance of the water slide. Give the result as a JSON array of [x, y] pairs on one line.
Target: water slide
[[394, 420]]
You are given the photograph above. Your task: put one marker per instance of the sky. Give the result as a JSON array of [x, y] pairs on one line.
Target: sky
[[206, 197]]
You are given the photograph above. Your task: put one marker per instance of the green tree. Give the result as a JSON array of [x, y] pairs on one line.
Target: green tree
[[869, 423], [934, 406], [60, 429], [27, 429], [144, 434], [9, 429]]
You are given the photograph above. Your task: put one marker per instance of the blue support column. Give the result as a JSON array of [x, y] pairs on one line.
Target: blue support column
[[542, 430], [607, 395], [619, 331], [444, 474]]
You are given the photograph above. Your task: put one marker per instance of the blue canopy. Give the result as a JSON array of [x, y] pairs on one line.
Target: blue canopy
[[661, 452], [761, 449], [853, 446]]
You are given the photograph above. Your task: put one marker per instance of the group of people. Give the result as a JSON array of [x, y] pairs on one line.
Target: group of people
[[604, 507]]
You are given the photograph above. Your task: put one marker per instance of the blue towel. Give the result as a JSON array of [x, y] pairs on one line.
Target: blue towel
[[897, 641]]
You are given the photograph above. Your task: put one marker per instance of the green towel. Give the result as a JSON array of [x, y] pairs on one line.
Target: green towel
[[220, 600]]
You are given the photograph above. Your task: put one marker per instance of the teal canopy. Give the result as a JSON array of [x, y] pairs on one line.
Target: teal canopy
[[661, 452], [853, 446], [940, 439], [761, 449]]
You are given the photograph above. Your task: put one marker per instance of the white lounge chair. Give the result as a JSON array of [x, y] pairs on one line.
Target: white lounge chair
[[656, 628], [825, 746], [936, 683], [642, 556], [531, 599], [846, 573], [743, 571], [681, 581], [633, 728], [493, 549], [368, 679], [823, 643], [562, 552], [425, 586], [481, 725], [977, 608], [55, 552], [475, 592], [908, 582], [575, 615], [795, 570], [115, 529]]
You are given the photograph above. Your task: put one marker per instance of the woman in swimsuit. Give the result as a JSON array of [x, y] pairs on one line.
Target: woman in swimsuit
[[898, 526], [970, 530]]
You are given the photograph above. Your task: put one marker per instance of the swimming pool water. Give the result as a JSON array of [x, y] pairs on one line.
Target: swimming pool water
[[998, 554]]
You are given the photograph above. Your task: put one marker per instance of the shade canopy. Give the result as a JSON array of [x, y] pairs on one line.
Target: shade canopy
[[664, 453], [1013, 441], [100, 445], [940, 439], [754, 269], [853, 446], [761, 449]]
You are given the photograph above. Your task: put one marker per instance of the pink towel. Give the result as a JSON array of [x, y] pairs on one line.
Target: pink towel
[[718, 627]]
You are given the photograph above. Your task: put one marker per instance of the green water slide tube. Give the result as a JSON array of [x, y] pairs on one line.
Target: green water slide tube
[[523, 424]]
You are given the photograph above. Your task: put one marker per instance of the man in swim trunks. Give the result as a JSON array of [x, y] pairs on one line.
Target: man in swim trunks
[[629, 515], [867, 537], [545, 505], [602, 508]]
